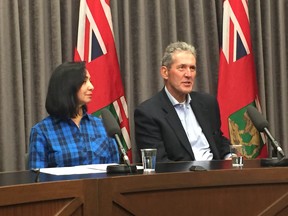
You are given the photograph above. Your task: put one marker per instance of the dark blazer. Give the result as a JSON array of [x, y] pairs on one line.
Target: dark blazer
[[157, 125]]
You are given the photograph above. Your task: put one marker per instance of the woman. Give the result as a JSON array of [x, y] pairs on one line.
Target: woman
[[70, 136]]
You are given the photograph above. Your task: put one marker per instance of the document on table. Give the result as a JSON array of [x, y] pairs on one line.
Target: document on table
[[82, 169]]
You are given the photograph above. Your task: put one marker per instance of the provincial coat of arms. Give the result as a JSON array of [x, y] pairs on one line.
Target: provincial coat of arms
[[243, 132]]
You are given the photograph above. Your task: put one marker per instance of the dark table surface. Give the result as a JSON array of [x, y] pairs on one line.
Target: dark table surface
[[27, 177]]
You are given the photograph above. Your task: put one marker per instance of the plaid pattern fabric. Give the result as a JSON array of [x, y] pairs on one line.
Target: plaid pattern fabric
[[58, 143]]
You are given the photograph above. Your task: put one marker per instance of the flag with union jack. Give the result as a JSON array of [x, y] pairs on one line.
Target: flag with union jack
[[96, 46], [237, 85]]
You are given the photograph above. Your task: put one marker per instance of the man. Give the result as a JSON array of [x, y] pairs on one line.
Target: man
[[182, 125]]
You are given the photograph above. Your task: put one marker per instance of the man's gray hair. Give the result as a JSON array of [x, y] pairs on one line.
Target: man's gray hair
[[175, 47]]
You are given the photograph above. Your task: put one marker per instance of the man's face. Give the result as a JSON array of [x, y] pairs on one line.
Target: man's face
[[179, 79]]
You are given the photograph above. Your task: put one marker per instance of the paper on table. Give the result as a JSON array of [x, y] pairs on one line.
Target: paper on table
[[82, 169]]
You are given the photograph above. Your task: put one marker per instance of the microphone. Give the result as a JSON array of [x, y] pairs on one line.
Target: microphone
[[262, 125], [113, 130]]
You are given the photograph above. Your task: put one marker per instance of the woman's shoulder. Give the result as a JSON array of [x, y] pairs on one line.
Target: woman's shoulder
[[94, 118], [46, 122]]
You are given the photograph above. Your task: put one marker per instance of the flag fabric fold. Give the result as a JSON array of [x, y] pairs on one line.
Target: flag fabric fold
[[96, 46], [237, 85]]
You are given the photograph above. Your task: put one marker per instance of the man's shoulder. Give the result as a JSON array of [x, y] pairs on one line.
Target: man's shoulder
[[153, 101], [201, 96]]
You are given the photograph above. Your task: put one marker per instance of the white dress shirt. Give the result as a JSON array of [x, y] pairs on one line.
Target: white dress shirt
[[197, 139]]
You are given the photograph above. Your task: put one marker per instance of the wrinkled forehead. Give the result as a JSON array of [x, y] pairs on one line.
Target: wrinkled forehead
[[183, 56]]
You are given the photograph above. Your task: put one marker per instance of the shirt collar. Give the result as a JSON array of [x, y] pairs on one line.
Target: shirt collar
[[174, 101], [84, 115]]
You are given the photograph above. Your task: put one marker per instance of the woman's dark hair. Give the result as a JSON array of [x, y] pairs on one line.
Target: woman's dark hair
[[66, 80]]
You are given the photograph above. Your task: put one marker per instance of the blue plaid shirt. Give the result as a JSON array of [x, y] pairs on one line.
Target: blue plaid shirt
[[58, 143]]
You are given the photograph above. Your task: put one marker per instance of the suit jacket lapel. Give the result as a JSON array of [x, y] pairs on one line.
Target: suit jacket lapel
[[201, 112], [175, 123]]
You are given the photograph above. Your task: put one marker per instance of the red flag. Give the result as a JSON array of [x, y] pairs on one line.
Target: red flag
[[237, 85], [96, 46]]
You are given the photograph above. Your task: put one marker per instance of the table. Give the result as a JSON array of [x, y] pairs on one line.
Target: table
[[172, 190]]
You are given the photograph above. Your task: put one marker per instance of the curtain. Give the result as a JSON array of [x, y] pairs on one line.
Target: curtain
[[38, 35]]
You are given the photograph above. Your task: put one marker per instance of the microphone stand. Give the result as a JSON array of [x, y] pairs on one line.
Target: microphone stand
[[122, 168], [262, 126], [280, 152], [281, 160], [37, 171], [274, 162]]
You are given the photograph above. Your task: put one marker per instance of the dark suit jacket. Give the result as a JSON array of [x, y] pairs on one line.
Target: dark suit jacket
[[157, 125]]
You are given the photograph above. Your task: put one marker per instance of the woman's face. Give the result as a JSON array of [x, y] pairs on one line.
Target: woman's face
[[84, 94]]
